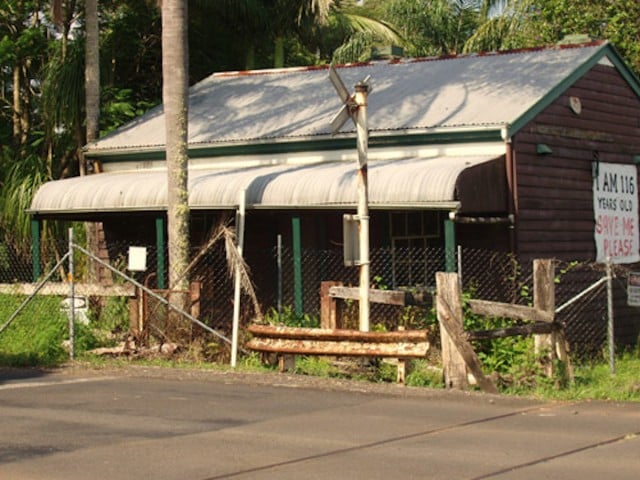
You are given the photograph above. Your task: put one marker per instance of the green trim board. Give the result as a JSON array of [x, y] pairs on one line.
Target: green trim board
[[161, 259], [449, 246], [297, 265], [36, 228]]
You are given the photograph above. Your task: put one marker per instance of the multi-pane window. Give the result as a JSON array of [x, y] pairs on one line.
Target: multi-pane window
[[411, 233]]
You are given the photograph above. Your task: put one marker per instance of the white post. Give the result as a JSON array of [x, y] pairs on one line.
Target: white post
[[362, 89], [236, 295]]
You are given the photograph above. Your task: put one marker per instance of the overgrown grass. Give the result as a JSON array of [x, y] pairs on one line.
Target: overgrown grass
[[595, 381], [35, 336]]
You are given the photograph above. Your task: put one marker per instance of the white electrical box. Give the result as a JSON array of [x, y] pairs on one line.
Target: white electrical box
[[351, 240]]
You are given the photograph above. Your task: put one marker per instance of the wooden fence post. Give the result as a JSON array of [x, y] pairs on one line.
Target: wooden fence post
[[458, 357], [449, 308], [544, 299], [329, 308]]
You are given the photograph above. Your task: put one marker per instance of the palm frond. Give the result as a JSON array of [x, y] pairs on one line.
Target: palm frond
[[21, 183], [381, 30], [508, 30], [63, 88], [237, 265]]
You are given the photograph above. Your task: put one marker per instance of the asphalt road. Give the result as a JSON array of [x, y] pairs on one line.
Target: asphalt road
[[154, 424]]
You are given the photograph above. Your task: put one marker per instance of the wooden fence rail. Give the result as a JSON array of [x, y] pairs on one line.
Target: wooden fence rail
[[322, 341]]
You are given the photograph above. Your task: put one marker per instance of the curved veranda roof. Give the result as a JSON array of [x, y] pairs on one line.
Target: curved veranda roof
[[407, 183]]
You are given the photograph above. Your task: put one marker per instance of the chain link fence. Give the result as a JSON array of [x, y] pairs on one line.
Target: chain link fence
[[580, 289], [287, 284]]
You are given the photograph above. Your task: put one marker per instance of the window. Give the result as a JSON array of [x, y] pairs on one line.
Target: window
[[411, 233]]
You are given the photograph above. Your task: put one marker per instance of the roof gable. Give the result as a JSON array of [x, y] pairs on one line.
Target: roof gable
[[466, 93]]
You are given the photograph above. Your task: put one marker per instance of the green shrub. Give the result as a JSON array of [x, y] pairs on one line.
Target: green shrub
[[289, 318], [511, 358]]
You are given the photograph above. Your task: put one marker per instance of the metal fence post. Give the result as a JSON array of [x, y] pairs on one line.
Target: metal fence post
[[240, 219], [610, 324]]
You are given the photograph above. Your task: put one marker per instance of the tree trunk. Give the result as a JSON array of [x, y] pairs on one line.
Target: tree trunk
[[94, 230], [175, 99], [17, 105], [92, 70], [278, 56]]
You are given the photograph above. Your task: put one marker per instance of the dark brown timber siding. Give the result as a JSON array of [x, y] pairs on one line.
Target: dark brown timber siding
[[554, 191], [555, 210]]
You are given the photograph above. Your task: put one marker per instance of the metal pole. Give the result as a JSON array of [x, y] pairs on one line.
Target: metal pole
[[610, 331], [72, 295], [362, 90], [236, 295]]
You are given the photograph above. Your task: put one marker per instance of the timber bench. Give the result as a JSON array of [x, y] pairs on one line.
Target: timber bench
[[281, 340]]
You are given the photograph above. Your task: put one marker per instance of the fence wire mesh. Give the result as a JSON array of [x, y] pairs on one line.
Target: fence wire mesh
[[290, 284]]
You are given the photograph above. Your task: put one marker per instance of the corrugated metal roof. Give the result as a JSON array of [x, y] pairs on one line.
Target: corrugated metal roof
[[409, 182], [468, 91]]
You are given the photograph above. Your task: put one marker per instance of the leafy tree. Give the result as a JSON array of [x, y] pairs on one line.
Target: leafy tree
[[616, 20]]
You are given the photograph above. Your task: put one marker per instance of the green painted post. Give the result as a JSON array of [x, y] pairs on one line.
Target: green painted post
[[297, 266], [160, 247], [449, 246], [35, 248]]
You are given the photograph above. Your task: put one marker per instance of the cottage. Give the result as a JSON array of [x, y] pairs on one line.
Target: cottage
[[533, 152]]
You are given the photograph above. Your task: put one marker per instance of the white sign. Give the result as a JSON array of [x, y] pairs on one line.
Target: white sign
[[137, 259], [633, 289], [615, 208]]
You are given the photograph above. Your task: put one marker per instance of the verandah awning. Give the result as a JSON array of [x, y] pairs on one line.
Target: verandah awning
[[407, 183]]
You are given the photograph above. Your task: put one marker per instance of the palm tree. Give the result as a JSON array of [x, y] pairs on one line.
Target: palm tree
[[175, 73], [92, 70], [505, 24], [434, 27]]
